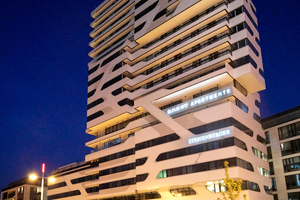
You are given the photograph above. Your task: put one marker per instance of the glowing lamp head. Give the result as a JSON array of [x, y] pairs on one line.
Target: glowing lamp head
[[43, 167], [51, 179], [33, 177]]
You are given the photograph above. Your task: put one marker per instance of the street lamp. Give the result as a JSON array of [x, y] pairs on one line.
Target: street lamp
[[34, 177]]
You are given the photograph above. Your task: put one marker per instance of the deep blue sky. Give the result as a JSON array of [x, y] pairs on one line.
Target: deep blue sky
[[43, 82]]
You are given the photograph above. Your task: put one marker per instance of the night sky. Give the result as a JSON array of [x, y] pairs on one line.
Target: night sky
[[43, 84]]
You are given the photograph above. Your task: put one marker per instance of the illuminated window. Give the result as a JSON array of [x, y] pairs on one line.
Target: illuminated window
[[162, 174], [291, 164], [179, 192], [20, 195], [215, 186], [260, 154], [111, 143], [263, 172]]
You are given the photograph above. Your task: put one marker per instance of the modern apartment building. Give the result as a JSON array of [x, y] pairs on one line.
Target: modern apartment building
[[172, 94], [24, 189], [283, 145]]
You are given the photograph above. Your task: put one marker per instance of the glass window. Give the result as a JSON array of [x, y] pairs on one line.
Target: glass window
[[257, 103], [4, 196], [269, 151], [256, 117], [288, 131], [221, 124], [150, 195], [268, 190], [260, 154], [202, 147], [131, 134], [267, 134], [241, 105], [274, 186], [141, 177], [248, 185], [293, 196], [157, 141], [290, 147], [271, 168], [291, 164], [218, 164], [263, 171], [58, 185], [297, 128], [215, 186], [292, 181], [20, 195], [35, 193], [11, 194], [179, 192], [240, 27], [162, 174]]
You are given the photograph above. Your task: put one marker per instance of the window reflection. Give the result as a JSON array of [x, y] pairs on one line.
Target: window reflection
[[292, 181], [291, 164], [274, 186], [263, 172], [260, 154], [215, 186], [111, 143], [182, 192], [290, 147], [288, 131]]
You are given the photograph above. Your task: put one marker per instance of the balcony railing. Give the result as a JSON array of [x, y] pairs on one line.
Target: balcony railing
[[189, 67], [193, 19], [121, 125], [111, 14], [106, 39], [117, 41], [106, 10], [187, 52], [178, 42], [113, 23]]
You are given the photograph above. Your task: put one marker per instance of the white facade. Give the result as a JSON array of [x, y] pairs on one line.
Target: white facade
[[172, 94]]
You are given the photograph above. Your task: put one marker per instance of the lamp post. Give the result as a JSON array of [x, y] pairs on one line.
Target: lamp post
[[33, 177], [43, 176]]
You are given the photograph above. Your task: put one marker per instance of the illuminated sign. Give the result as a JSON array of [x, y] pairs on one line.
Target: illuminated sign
[[200, 101], [178, 108], [209, 136]]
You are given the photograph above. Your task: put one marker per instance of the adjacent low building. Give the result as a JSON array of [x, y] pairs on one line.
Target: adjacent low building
[[283, 145], [24, 189]]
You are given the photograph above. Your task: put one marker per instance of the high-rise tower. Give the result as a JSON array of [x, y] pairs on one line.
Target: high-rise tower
[[172, 94]]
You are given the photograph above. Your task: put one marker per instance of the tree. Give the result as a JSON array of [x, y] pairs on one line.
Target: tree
[[233, 188]]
